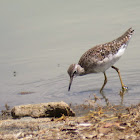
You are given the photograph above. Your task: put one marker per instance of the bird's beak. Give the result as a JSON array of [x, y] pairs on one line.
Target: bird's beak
[[71, 79]]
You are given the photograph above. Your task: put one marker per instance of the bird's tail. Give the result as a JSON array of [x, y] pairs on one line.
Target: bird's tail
[[126, 36]]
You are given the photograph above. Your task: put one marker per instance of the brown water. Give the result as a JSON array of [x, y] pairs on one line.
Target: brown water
[[39, 40]]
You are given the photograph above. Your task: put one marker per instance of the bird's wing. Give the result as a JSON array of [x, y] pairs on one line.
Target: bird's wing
[[99, 52]]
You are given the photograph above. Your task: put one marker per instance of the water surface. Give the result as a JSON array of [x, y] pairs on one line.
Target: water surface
[[39, 40]]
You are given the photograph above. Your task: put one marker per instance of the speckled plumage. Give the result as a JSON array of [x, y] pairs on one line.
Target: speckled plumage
[[91, 58], [100, 58]]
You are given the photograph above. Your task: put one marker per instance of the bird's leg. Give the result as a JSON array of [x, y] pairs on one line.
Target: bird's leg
[[124, 88], [122, 95], [105, 81]]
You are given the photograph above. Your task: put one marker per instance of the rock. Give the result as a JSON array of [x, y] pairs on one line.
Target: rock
[[52, 109]]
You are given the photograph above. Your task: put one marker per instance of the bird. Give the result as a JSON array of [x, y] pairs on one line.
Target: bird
[[100, 58]]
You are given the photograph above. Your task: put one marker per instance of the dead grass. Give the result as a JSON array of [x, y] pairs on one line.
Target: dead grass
[[112, 122]]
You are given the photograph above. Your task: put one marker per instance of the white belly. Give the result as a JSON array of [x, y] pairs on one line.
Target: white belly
[[109, 61]]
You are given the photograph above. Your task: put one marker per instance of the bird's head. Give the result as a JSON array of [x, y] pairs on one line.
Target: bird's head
[[73, 71]]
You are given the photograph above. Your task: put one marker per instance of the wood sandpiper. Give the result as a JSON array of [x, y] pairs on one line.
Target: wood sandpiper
[[100, 58]]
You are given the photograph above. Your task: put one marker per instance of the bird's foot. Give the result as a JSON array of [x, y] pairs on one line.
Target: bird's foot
[[124, 89]]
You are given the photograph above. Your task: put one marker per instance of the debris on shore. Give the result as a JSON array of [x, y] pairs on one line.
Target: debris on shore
[[109, 122], [52, 109]]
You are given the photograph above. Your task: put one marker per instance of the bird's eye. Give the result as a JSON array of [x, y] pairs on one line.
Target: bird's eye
[[74, 72]]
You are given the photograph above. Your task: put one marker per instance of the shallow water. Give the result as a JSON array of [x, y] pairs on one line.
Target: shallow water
[[39, 40]]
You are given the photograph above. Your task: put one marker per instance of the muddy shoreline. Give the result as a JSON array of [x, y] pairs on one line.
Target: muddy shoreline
[[90, 122]]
